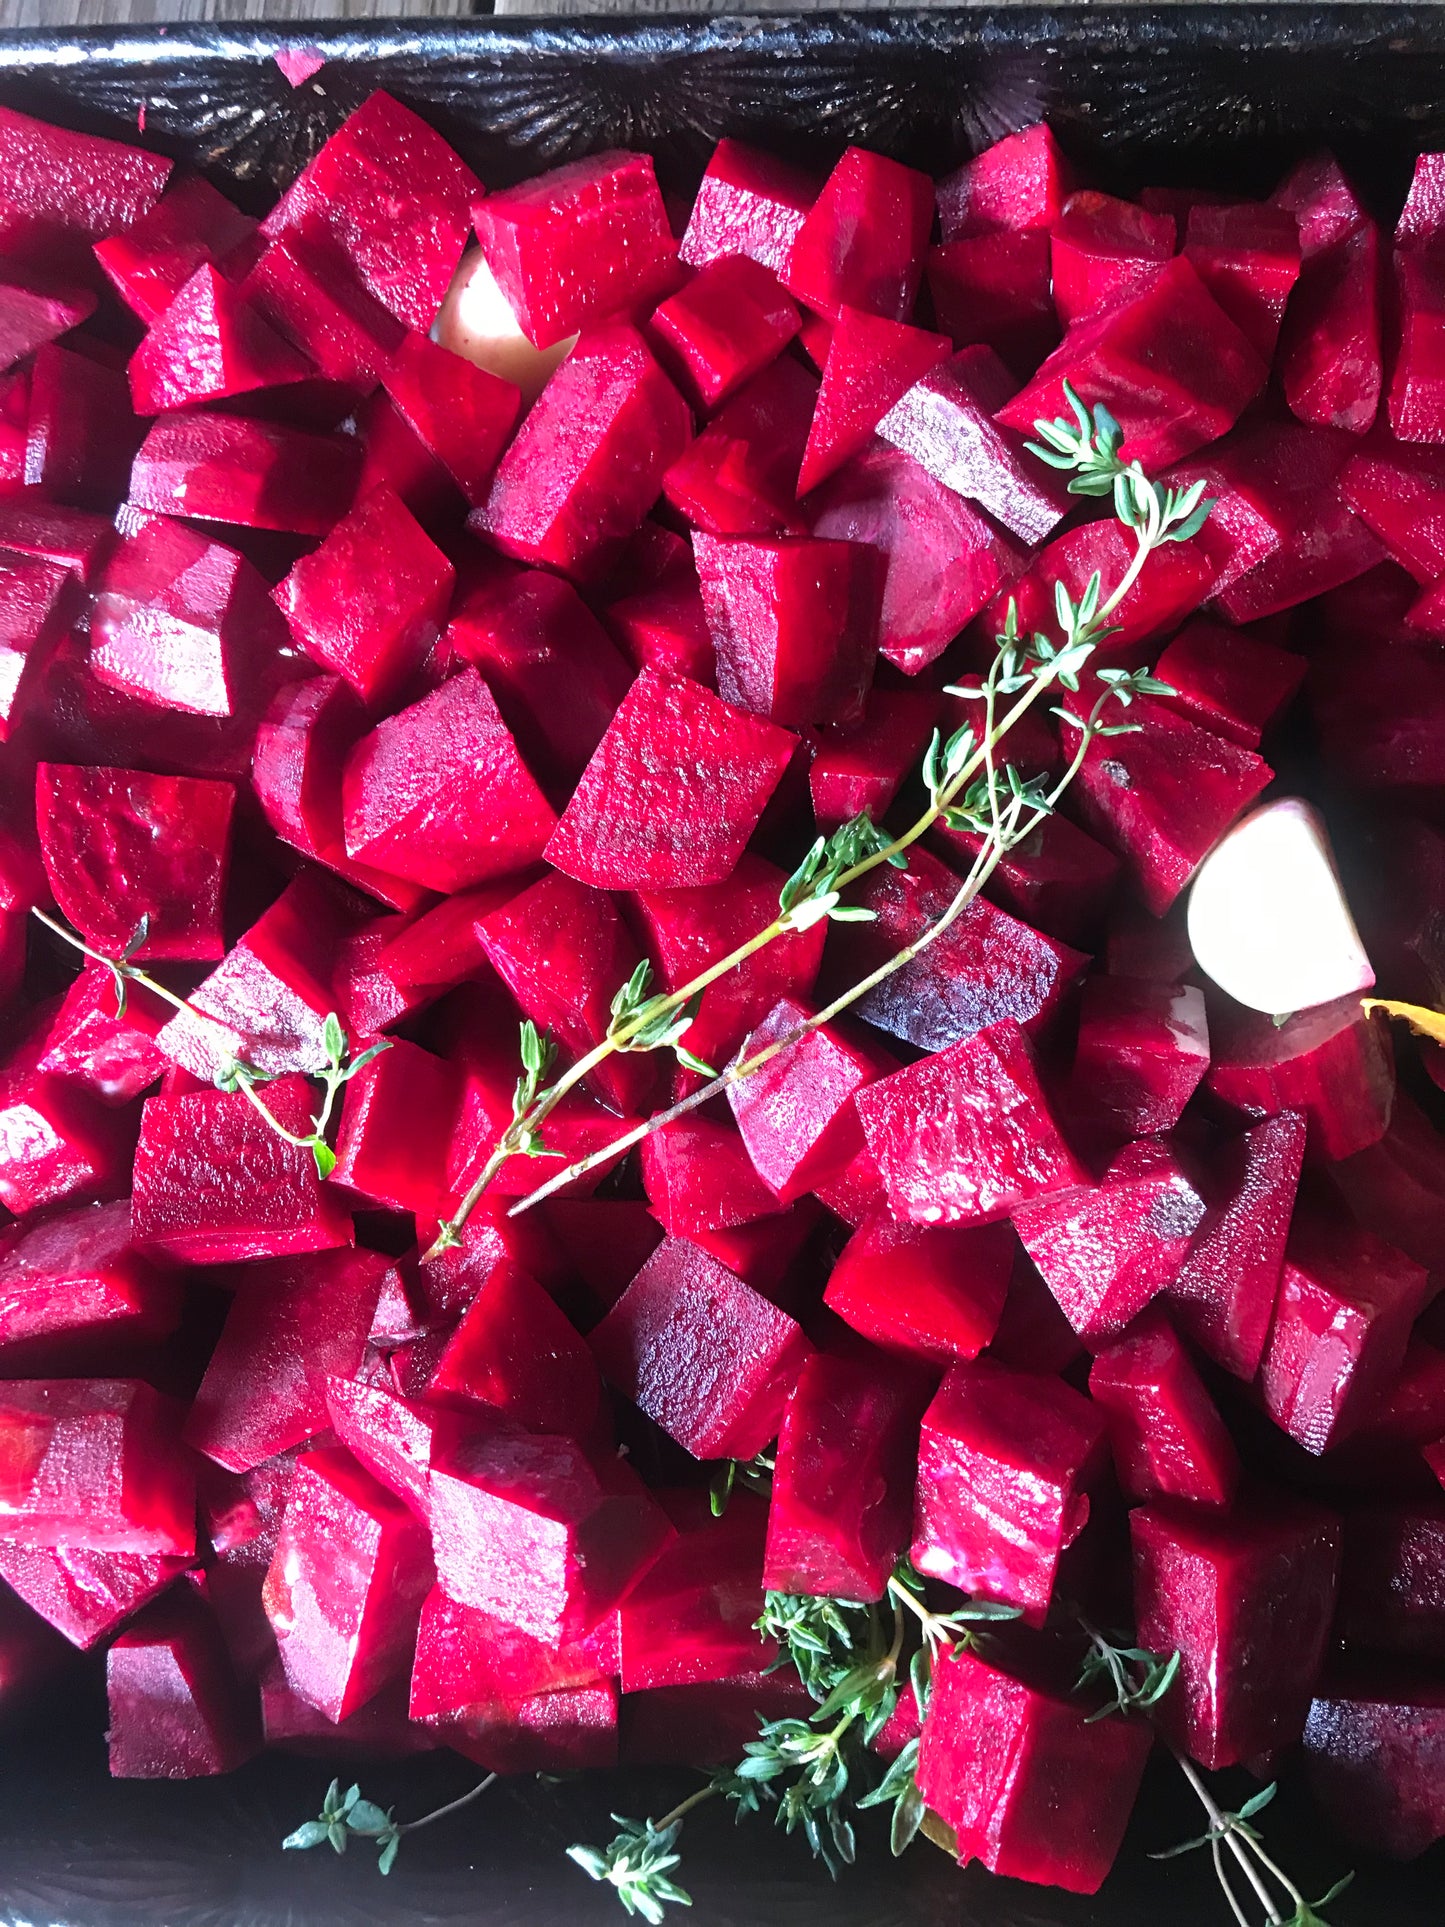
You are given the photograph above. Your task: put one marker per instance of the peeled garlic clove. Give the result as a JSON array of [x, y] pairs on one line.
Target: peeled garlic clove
[[476, 320], [1268, 920]]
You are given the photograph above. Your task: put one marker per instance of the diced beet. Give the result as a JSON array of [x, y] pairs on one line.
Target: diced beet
[[1247, 254], [986, 966], [86, 1595], [698, 1178], [1247, 1603], [933, 1292], [81, 433], [1169, 365], [438, 793], [570, 1731], [797, 1112], [674, 791], [871, 364], [212, 341], [120, 845], [1105, 251], [604, 1241], [71, 538], [705, 1356], [33, 608], [56, 1142], [64, 190], [241, 1515], [73, 1281], [379, 1730], [117, 1058], [471, 1664], [515, 1353], [1333, 1064], [1142, 1050], [463, 414], [186, 1202], [861, 771], [944, 561], [34, 309], [176, 1709], [1236, 685], [1342, 1319], [708, 1723], [1416, 396], [1389, 1584], [1004, 1467], [420, 958], [589, 460], [750, 203], [1398, 490], [770, 1253], [1323, 202], [997, 288], [1168, 1439], [1329, 348], [1396, 1187], [1020, 182], [693, 1616], [396, 1125], [393, 1437], [311, 300], [862, 242], [525, 1529], [1058, 879], [966, 1136], [1029, 1783], [95, 1462], [1374, 1754], [740, 476], [723, 327], [664, 627], [152, 259], [257, 475], [1381, 718], [392, 454]]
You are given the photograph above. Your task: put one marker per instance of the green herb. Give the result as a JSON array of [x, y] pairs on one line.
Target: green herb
[[639, 1863], [346, 1816], [642, 1022], [755, 1474]]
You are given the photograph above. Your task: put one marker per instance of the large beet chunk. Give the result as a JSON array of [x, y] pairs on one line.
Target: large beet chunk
[[740, 476], [1375, 1756], [1167, 1436], [692, 1617], [255, 474], [396, 1126], [1141, 1053], [722, 328], [472, 1665], [748, 203], [934, 1292], [64, 190], [176, 1709], [75, 1281], [863, 240], [1333, 1064], [151, 260], [86, 1595], [871, 364], [33, 606], [515, 1353], [1016, 185], [55, 1142]]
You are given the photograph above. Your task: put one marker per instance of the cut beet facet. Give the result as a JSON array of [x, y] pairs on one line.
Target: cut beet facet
[[1143, 1049], [1104, 251], [1168, 1439], [311, 298], [461, 413], [796, 1112], [1019, 183], [514, 1352], [176, 1710], [64, 190], [740, 477], [862, 242], [722, 328], [750, 203], [257, 475], [210, 343], [86, 1595], [1334, 1064], [693, 1616], [152, 259], [73, 1283], [933, 1292], [699, 1179], [1237, 685], [871, 364], [1247, 254], [1374, 1756], [396, 1127]]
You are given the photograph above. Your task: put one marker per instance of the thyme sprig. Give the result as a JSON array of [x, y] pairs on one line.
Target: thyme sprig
[[347, 1816]]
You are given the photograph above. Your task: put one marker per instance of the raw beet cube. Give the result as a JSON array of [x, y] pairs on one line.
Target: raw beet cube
[[1236, 685], [1106, 1253], [1004, 1468], [1389, 1584], [1058, 879], [797, 1112], [1247, 1602], [95, 1462], [740, 477], [120, 845], [1398, 490], [871, 365], [393, 454], [748, 202], [396, 1125], [1323, 202], [1342, 1320], [863, 240], [64, 190], [1169, 365], [1143, 1049], [33, 608], [515, 1353], [176, 1709], [997, 288], [1247, 255], [86, 1595], [258, 475], [704, 1355], [439, 795], [73, 1281], [699, 1178], [462, 413], [864, 769], [692, 1617], [524, 1528], [56, 1142], [589, 459], [310, 297], [1332, 1063], [1029, 1784], [351, 1568], [1168, 1439], [1382, 728], [1396, 1188], [153, 258], [725, 326], [1329, 348], [71, 538], [186, 1203], [578, 244], [665, 628], [842, 1490], [794, 623], [471, 1664], [1416, 392], [34, 309], [212, 341], [115, 1058], [291, 1326], [933, 1292], [572, 1731], [81, 433], [944, 561], [393, 1437], [1018, 183], [1104, 252], [966, 1136], [1374, 1753], [674, 791]]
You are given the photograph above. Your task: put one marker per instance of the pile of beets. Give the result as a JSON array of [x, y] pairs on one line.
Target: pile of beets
[[354, 680]]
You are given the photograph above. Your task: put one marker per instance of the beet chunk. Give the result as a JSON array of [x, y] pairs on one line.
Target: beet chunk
[[1333, 1064], [1104, 251], [257, 475], [934, 1292], [461, 413], [74, 1281], [691, 1618], [748, 203], [997, 289], [863, 770], [33, 607], [699, 1179], [1396, 1188], [1019, 183], [1329, 354], [1168, 1439], [472, 1665], [740, 477], [514, 1352], [55, 1142], [1247, 255], [64, 190], [210, 343], [1375, 1759], [176, 1710], [153, 258], [310, 296], [796, 1112], [86, 1595], [722, 328], [81, 434], [396, 1127], [871, 364], [33, 313], [1237, 685], [1143, 1049], [1389, 1586], [863, 240]]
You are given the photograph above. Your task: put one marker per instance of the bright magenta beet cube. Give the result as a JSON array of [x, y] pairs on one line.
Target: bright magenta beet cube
[[310, 295], [87, 1595], [1167, 1436], [393, 1437], [56, 1142], [797, 1112], [462, 413], [1142, 1052], [870, 365], [33, 606], [514, 1352], [699, 1178], [693, 1615], [150, 260], [1234, 684], [469, 1664], [397, 1120], [748, 203], [210, 343], [74, 1281], [177, 1711], [1104, 251], [864, 769], [924, 1291], [740, 476], [722, 328], [1334, 1064], [863, 240], [1018, 183]]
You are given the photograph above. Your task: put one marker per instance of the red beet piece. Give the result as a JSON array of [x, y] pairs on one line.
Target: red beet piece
[[393, 1437], [73, 1281], [966, 1136], [573, 1731], [1374, 1749], [933, 1292], [176, 1710], [95, 1462], [603, 1241], [740, 477], [81, 433], [1382, 728], [862, 770], [463, 414], [1389, 1588], [1398, 490], [1011, 1447], [182, 621], [396, 1125], [723, 327], [1322, 201], [151, 261], [70, 538], [1416, 393], [589, 460], [1169, 365], [525, 1529], [1329, 349], [85, 1043], [1237, 685], [699, 1178], [186, 1203], [1333, 1064], [312, 300], [674, 791], [997, 288], [944, 561], [470, 1664], [1105, 251], [351, 1568], [769, 1253], [56, 1142], [120, 845], [1142, 1050], [212, 341], [1247, 1603], [692, 1617], [1018, 183], [1342, 1320], [241, 1516], [872, 363], [704, 1355], [258, 475], [1029, 1784], [380, 1730], [419, 959], [863, 240], [86, 1595], [64, 190], [439, 795], [1396, 1188], [1248, 257], [664, 627], [33, 609], [1168, 1439], [797, 1113], [842, 1491], [392, 453], [1155, 949], [747, 203], [34, 309], [393, 196], [515, 1353]]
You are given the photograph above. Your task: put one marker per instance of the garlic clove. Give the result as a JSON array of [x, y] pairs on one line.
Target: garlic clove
[[476, 320]]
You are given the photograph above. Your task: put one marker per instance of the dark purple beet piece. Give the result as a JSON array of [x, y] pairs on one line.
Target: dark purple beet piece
[[1168, 1439], [1334, 1063], [176, 1709], [1375, 1759]]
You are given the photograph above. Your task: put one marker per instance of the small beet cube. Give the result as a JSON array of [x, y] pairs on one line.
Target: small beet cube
[[186, 1203], [1143, 1049], [515, 1353], [115, 1058], [1396, 1188], [1105, 251], [471, 1664], [740, 476], [1019, 183], [64, 190], [1004, 1467], [211, 342], [796, 1112], [674, 791], [81, 433], [749, 203], [34, 310], [1058, 880], [1030, 1785], [703, 1354], [257, 475], [722, 328], [1168, 1439], [1236, 685], [463, 414], [393, 1437], [71, 538], [693, 1616], [864, 769], [153, 258], [1247, 1602], [997, 289], [55, 1143], [1332, 1063], [965, 1136], [664, 627], [1398, 490], [1248, 257], [1389, 1584], [176, 1709], [934, 1292], [862, 243], [33, 606], [438, 793], [1375, 1757], [572, 1731], [871, 364], [95, 1462], [396, 1125], [699, 1178], [1329, 354], [1323, 202], [312, 300], [86, 1595], [76, 1279]]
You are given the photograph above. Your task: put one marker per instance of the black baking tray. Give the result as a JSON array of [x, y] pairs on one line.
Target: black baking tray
[[1171, 94]]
